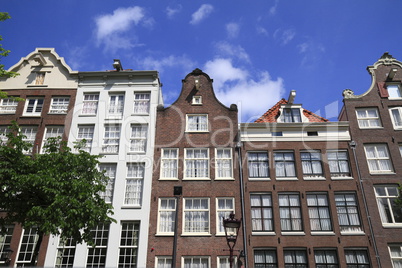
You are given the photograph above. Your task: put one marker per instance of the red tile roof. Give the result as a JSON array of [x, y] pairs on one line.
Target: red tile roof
[[272, 114]]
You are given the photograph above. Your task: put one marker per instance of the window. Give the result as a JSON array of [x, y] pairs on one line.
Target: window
[[284, 164], [368, 118], [196, 215], [86, 133], [394, 91], [5, 241], [326, 258], [196, 164], [8, 106], [59, 105], [338, 163], [357, 258], [30, 135], [40, 78], [4, 130], [163, 262], [197, 100], [197, 123], [224, 206], [378, 158], [169, 163], [261, 213], [265, 258], [111, 139], [134, 182], [311, 163], [400, 149], [128, 251], [167, 215], [116, 104], [65, 253], [141, 103], [27, 247], [51, 132], [396, 117], [97, 254], [110, 171], [291, 115], [389, 211], [258, 165], [290, 212], [138, 138], [348, 213], [295, 258], [196, 262], [396, 255], [90, 104], [33, 106], [223, 164], [318, 210]]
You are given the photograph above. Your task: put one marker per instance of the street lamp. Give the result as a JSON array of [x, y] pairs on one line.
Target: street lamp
[[232, 226], [6, 256]]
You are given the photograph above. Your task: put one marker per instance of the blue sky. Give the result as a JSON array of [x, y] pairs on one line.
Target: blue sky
[[256, 51]]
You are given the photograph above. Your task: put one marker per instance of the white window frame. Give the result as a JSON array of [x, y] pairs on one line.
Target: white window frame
[[295, 259], [319, 212], [384, 203], [312, 165], [116, 104], [394, 91], [224, 262], [262, 259], [86, 132], [223, 212], [166, 216], [29, 238], [285, 164], [291, 115], [376, 161], [110, 171], [366, 121], [59, 105], [197, 100], [34, 103], [395, 259], [396, 118], [51, 132], [142, 101], [338, 162], [130, 232], [163, 262], [90, 104], [169, 164], [357, 257], [5, 240], [327, 257], [134, 184], [347, 207], [223, 164], [287, 206], [65, 253], [138, 138], [30, 136], [111, 139], [8, 106], [197, 123], [262, 213], [194, 159], [98, 254], [4, 130], [190, 212], [258, 164], [192, 259]]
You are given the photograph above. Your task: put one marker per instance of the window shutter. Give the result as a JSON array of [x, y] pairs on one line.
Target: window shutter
[[382, 87]]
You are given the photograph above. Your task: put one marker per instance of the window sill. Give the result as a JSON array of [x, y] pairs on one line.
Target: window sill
[[164, 234], [31, 115], [195, 234], [7, 113], [130, 207], [353, 233], [370, 128], [140, 114], [391, 226], [142, 152], [107, 153], [287, 179], [259, 179], [322, 233], [87, 115], [168, 179], [224, 179], [341, 178], [196, 179], [318, 178], [262, 233], [293, 233], [382, 173]]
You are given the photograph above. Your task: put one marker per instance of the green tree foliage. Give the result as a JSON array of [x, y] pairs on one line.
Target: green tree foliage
[[56, 192], [4, 52]]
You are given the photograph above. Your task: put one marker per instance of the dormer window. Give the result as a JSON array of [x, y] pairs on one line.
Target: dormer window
[[40, 78], [291, 115], [394, 91]]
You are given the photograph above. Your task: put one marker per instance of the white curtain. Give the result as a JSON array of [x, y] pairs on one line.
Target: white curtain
[[290, 213], [348, 215], [197, 163], [356, 257], [167, 215], [138, 138], [196, 262], [141, 103], [169, 163], [397, 117], [224, 163], [196, 215], [261, 213], [264, 257], [258, 165]]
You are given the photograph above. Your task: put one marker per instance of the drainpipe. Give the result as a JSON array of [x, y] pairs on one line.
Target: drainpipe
[[352, 145]]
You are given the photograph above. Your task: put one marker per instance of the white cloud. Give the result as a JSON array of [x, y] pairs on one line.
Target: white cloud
[[311, 52], [232, 30], [159, 64], [253, 95], [262, 30], [284, 36], [273, 9], [227, 49], [201, 13], [171, 11]]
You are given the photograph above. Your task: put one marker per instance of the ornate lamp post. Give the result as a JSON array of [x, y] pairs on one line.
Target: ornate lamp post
[[232, 227]]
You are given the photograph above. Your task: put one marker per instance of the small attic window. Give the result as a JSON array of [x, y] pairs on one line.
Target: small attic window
[[312, 133], [197, 100], [291, 115], [40, 78], [394, 91]]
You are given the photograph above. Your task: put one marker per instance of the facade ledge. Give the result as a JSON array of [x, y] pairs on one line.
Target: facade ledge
[[161, 234], [259, 179], [391, 226], [341, 178], [322, 233], [40, 86], [353, 233], [293, 233], [262, 233], [224, 179], [287, 179], [382, 173]]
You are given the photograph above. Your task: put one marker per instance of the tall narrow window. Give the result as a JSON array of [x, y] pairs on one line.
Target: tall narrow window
[[33, 106], [396, 254], [110, 171], [261, 213], [4, 130], [284, 164], [224, 206], [134, 184], [163, 262], [86, 133], [138, 138], [295, 258], [97, 254], [5, 241], [111, 139], [128, 251], [338, 163], [116, 104], [223, 262], [389, 211], [196, 163], [30, 135], [311, 163], [27, 247], [169, 163], [141, 103], [90, 104], [167, 215], [348, 213], [378, 158], [326, 258], [196, 262], [8, 106], [318, 210], [223, 164], [290, 212], [357, 258], [65, 253], [197, 123], [396, 117], [264, 258], [368, 118], [196, 215], [59, 105], [291, 115], [51, 132], [258, 165]]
